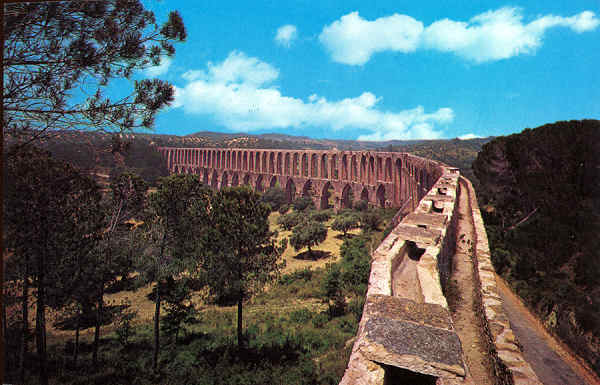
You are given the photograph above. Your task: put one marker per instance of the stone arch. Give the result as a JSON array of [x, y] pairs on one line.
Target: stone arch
[[235, 180], [353, 169], [278, 168], [346, 202], [290, 190], [314, 166], [271, 163], [363, 169], [324, 164], [245, 160], [344, 167], [388, 170], [205, 176], [334, 167], [273, 182], [259, 184], [286, 164], [371, 172], [234, 160], [214, 182], [295, 164], [307, 189], [264, 162], [325, 195], [304, 166], [381, 195], [364, 194], [257, 162], [247, 180], [224, 179]]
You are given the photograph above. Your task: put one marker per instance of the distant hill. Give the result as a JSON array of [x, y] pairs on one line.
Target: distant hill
[[540, 197], [101, 153]]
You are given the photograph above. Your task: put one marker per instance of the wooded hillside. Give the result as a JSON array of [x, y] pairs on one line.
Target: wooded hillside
[[540, 198]]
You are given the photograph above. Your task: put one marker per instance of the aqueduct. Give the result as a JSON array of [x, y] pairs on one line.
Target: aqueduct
[[407, 331], [385, 179]]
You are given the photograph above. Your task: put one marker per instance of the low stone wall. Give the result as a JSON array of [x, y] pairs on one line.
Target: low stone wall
[[509, 365]]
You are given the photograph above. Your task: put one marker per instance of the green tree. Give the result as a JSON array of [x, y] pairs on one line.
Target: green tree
[[52, 49], [289, 220], [274, 197], [244, 257], [127, 199], [308, 234], [345, 222], [176, 228], [54, 220], [370, 220], [303, 203]]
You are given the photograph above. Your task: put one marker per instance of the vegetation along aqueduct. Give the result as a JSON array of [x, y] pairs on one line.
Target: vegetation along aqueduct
[[406, 329]]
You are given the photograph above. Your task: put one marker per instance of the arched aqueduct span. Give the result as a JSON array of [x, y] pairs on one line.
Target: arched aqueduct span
[[406, 329], [385, 179]]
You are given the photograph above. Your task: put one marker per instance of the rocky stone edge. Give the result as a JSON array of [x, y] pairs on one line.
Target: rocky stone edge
[[510, 367], [433, 270]]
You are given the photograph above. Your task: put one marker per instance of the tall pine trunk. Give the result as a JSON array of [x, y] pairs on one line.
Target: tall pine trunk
[[76, 348], [239, 321], [25, 327], [156, 328], [40, 325], [99, 311]]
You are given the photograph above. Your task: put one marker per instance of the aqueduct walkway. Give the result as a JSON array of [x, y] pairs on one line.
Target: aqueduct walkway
[[407, 331], [385, 179]]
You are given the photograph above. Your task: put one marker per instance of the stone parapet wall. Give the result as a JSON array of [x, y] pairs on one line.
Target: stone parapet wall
[[510, 366], [407, 324]]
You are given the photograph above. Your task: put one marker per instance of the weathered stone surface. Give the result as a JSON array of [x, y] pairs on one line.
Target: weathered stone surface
[[417, 234], [435, 221], [394, 308], [419, 348]]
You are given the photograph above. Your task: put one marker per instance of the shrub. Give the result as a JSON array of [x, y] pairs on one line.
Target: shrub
[[301, 316], [284, 209], [361, 205], [303, 203], [289, 221], [275, 197], [321, 215]]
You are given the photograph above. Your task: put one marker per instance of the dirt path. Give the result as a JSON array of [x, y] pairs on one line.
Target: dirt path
[[461, 298], [553, 364]]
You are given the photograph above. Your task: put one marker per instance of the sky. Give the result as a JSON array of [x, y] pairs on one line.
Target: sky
[[380, 70]]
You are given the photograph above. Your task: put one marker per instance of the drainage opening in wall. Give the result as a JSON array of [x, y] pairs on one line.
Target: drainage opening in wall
[[442, 190], [414, 252], [399, 376], [437, 207]]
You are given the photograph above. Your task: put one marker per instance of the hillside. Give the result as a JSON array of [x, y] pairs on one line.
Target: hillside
[[539, 194], [101, 153]]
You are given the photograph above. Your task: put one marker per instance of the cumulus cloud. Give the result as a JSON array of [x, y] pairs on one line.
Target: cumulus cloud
[[239, 94], [161, 69], [286, 34], [353, 40], [493, 35]]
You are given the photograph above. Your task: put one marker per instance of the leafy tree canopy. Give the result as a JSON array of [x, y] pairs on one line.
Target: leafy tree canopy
[[59, 56]]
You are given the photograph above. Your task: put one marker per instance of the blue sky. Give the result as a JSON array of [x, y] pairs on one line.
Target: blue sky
[[381, 70]]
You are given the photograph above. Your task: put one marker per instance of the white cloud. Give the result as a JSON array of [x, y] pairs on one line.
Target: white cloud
[[352, 39], [161, 69], [468, 136], [286, 34], [238, 94], [493, 35]]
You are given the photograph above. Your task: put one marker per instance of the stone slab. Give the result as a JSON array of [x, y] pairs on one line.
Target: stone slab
[[417, 234], [415, 347], [429, 220], [396, 308]]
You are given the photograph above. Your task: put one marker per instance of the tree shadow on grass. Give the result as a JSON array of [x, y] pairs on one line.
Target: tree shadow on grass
[[314, 256], [344, 237]]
